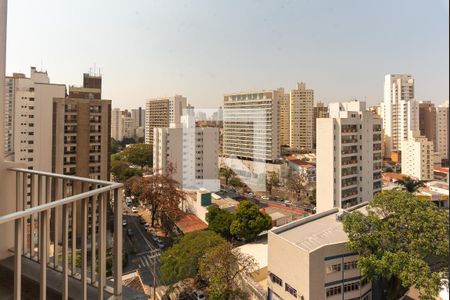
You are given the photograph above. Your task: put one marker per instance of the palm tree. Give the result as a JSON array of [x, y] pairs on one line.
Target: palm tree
[[410, 185], [227, 173]]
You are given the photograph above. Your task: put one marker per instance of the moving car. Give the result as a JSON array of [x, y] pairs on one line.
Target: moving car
[[124, 222], [198, 295], [134, 209], [130, 232]]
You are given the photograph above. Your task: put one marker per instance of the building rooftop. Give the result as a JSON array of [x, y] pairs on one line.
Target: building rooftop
[[258, 250], [316, 231], [190, 223], [393, 176]]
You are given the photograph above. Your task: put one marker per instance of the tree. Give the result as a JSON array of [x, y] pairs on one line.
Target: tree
[[403, 241], [219, 220], [298, 182], [160, 193], [139, 155], [227, 174], [272, 179], [249, 221], [235, 182], [182, 261], [122, 171], [115, 146], [223, 266], [410, 185]]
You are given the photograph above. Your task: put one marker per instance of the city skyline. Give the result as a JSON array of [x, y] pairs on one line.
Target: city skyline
[[205, 51]]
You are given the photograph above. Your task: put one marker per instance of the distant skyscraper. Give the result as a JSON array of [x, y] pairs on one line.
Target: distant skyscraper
[[284, 117], [417, 156], [138, 117], [427, 120], [399, 109], [82, 131], [116, 124], [302, 117], [251, 126], [161, 112], [32, 109], [320, 111], [191, 151], [349, 156], [442, 138]]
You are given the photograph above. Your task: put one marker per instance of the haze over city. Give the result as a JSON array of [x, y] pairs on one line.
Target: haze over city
[[204, 49]]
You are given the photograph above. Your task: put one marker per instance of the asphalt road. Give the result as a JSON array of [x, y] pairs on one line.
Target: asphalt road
[[143, 253]]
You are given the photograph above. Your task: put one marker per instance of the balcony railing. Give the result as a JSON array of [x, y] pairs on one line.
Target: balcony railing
[[46, 212]]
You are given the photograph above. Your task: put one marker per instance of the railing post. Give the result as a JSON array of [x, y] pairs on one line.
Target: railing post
[[93, 238], [65, 266], [117, 263], [84, 233], [43, 254], [102, 246], [18, 260]]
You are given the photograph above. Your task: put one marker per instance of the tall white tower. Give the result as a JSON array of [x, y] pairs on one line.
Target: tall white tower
[[400, 111]]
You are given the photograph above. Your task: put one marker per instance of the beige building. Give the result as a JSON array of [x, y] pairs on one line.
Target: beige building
[[442, 138], [308, 259], [302, 117], [161, 112], [191, 151], [349, 159], [417, 156], [284, 116], [399, 110], [427, 120], [81, 131], [33, 106], [250, 127]]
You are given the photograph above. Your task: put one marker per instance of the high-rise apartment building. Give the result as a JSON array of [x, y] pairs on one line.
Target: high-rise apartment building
[[32, 106], [427, 120], [138, 117], [417, 156], [161, 112], [251, 126], [284, 117], [442, 138], [9, 116], [349, 159], [302, 117], [3, 12], [399, 110], [191, 152], [116, 124], [320, 111], [82, 131]]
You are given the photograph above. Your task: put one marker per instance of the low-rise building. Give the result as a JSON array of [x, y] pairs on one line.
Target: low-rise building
[[417, 156], [308, 259]]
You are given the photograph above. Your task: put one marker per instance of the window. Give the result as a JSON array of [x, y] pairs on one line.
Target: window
[[333, 268], [351, 287], [290, 290], [350, 265], [274, 278], [335, 290]]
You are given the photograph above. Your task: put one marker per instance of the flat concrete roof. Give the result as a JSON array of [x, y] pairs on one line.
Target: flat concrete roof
[[258, 250], [316, 231]]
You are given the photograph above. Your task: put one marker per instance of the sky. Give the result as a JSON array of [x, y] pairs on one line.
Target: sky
[[204, 49]]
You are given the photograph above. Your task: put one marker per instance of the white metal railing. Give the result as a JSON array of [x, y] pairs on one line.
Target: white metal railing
[[50, 206]]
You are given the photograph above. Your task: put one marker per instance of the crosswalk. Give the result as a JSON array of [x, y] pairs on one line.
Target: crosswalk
[[147, 260]]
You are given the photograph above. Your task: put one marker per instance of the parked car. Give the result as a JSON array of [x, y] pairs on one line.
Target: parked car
[[134, 209], [198, 295], [129, 201], [141, 221], [146, 226], [124, 222], [160, 244], [287, 202], [265, 198], [130, 232]]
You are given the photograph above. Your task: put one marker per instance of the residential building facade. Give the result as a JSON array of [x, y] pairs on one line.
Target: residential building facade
[[320, 111], [32, 128], [417, 156], [315, 247], [189, 152], [82, 131], [284, 110], [251, 126], [442, 138], [427, 120], [399, 110], [349, 158], [161, 112], [301, 117]]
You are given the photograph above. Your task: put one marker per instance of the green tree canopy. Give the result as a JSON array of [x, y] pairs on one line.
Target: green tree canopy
[[249, 221], [403, 241], [182, 261], [227, 174], [219, 220], [122, 171], [138, 154], [410, 185]]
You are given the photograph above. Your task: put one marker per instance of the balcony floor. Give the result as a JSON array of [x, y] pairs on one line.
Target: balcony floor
[[30, 283]]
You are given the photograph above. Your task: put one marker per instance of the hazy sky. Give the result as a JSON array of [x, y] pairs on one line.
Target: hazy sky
[[204, 49]]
